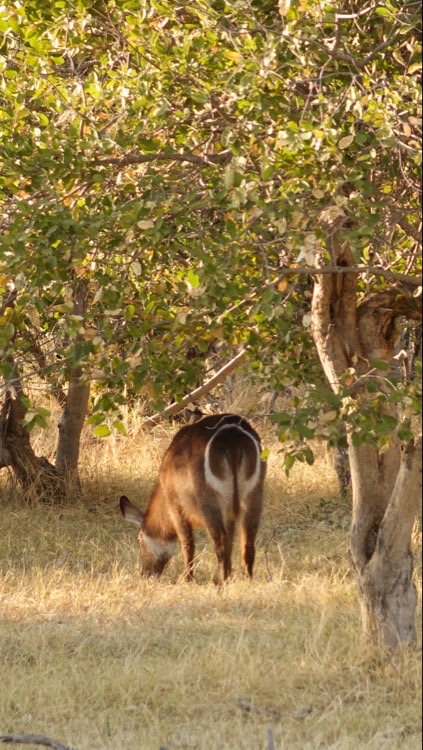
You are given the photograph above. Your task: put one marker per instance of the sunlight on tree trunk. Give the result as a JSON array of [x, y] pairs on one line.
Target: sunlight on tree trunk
[[384, 488], [387, 592]]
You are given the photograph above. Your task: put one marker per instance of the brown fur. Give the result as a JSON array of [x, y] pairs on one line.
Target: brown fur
[[211, 476]]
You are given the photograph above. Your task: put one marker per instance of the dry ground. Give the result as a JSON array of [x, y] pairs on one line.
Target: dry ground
[[100, 659]]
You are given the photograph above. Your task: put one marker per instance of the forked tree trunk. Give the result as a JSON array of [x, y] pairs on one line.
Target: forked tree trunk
[[386, 485], [35, 474], [383, 558], [38, 478]]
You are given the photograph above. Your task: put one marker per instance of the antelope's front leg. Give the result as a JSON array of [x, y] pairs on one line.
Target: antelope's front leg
[[186, 538]]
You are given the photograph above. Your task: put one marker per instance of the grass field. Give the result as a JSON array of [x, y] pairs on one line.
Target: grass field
[[95, 656]]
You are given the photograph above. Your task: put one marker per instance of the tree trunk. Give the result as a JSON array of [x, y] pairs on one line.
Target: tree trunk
[[383, 560], [385, 484], [76, 406], [70, 428], [343, 470], [36, 475]]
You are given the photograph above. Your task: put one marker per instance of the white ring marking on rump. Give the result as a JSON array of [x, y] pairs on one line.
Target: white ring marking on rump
[[225, 486]]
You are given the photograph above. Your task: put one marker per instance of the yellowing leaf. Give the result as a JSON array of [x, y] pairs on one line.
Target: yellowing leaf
[[281, 225], [232, 55], [345, 142], [283, 7], [3, 281], [328, 416], [113, 313], [283, 285], [228, 179], [64, 308], [296, 218], [136, 268], [306, 320], [90, 334], [384, 448]]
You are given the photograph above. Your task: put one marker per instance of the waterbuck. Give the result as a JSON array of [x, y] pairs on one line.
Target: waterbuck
[[212, 476]]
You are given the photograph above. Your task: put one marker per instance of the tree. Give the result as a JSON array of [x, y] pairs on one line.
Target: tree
[[247, 174], [355, 339]]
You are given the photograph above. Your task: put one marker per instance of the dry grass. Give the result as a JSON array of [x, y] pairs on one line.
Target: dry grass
[[97, 657]]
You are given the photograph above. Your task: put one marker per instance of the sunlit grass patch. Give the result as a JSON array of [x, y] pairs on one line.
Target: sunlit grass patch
[[96, 656]]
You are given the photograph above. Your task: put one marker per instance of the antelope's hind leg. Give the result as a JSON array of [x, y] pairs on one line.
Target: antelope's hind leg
[[249, 526], [222, 537]]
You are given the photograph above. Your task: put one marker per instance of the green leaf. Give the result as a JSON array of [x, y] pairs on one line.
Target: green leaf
[[309, 456], [289, 462], [129, 312], [193, 279], [197, 96], [120, 427], [404, 433], [380, 364], [304, 431], [102, 431]]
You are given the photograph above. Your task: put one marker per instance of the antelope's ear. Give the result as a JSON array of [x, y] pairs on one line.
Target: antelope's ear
[[130, 511]]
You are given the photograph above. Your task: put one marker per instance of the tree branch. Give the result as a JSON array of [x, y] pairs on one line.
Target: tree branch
[[413, 281], [219, 377], [201, 161], [406, 227]]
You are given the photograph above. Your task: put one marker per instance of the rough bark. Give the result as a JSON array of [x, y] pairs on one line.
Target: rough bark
[[39, 478], [385, 485], [388, 594], [70, 427], [76, 406], [343, 470], [36, 475]]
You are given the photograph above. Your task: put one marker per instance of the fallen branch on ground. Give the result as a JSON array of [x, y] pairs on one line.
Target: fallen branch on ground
[[32, 739]]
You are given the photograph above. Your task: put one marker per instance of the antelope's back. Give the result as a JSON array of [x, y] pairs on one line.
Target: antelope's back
[[213, 449], [191, 441]]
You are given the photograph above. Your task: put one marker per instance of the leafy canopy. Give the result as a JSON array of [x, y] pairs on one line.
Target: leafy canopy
[[175, 162]]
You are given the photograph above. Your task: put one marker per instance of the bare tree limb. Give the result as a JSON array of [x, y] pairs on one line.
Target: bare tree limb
[[219, 377], [202, 161], [407, 228], [414, 281]]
